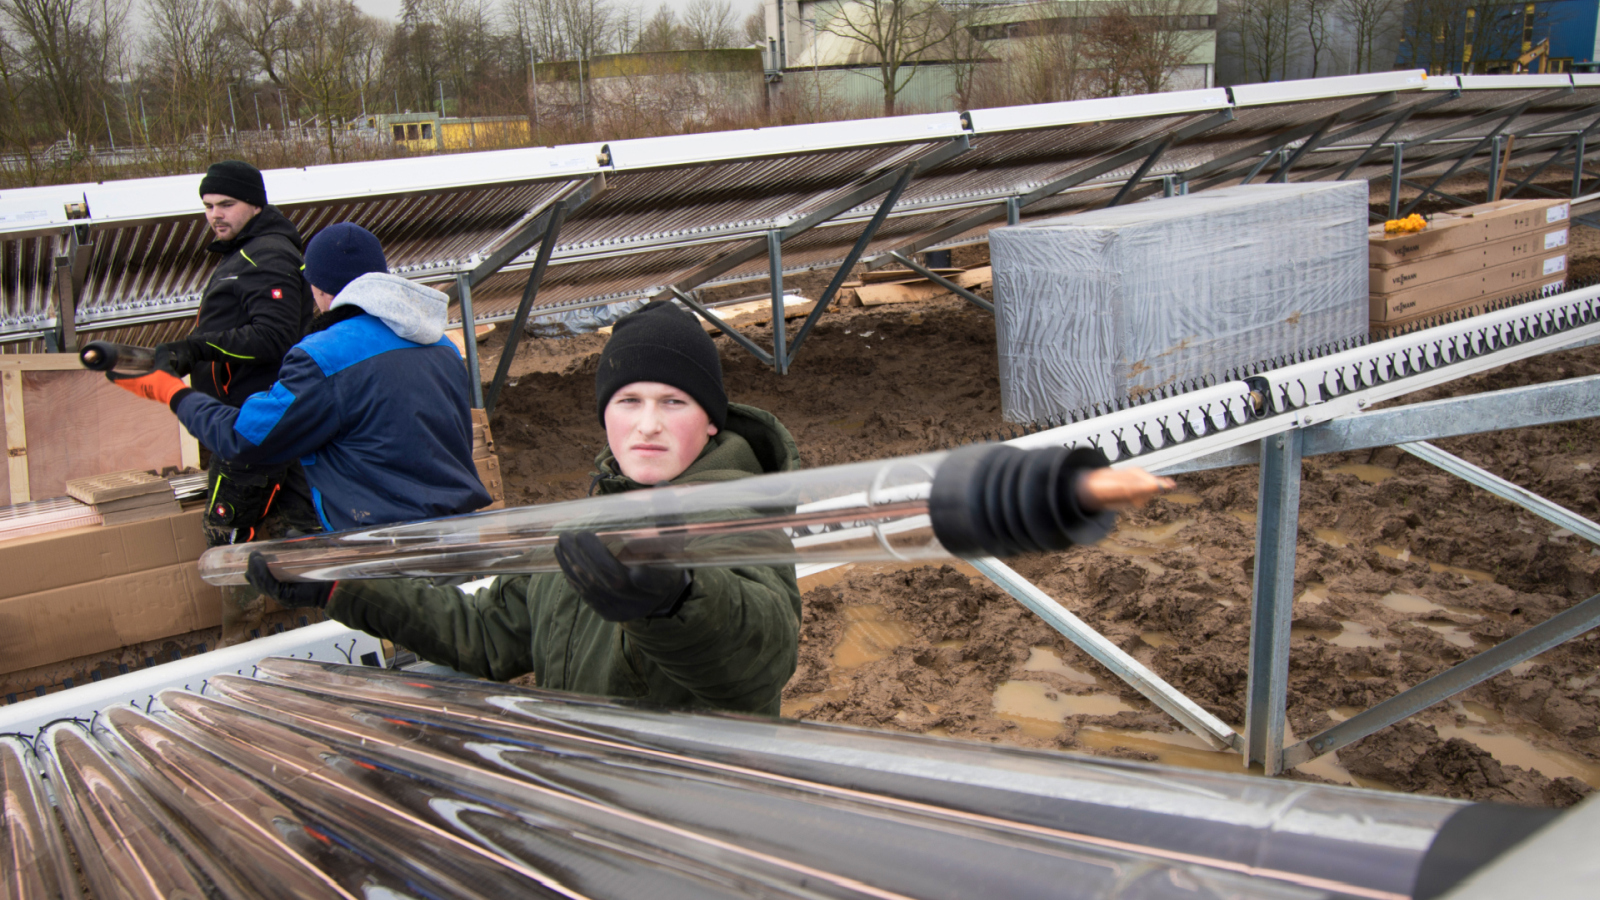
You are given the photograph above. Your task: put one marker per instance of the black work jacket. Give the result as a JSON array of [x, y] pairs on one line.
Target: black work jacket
[[256, 306]]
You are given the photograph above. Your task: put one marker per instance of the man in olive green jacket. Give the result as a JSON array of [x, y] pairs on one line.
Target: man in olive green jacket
[[717, 638]]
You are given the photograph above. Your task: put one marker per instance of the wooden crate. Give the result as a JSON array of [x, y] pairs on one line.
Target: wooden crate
[[62, 421]]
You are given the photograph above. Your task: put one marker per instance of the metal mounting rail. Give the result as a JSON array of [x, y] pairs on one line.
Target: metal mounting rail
[[1276, 412]]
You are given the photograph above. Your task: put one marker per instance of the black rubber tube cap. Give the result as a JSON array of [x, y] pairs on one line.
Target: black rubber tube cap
[[997, 500]]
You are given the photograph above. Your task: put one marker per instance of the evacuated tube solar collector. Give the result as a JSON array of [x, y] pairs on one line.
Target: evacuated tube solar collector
[[990, 500]]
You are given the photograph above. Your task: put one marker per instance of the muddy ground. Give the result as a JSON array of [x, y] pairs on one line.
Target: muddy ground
[[1402, 571]]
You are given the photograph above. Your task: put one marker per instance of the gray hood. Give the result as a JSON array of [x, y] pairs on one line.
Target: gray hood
[[412, 311]]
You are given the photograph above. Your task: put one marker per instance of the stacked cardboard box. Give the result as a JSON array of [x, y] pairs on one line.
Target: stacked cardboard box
[[486, 461], [1466, 258], [95, 589]]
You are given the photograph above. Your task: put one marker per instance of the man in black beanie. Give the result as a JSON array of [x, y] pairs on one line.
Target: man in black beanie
[[715, 637], [254, 308]]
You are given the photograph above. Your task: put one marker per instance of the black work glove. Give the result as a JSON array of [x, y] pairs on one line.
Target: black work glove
[[292, 594], [618, 592], [177, 357]]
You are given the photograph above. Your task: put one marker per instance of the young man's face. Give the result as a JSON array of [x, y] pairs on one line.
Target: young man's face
[[227, 216], [655, 431]]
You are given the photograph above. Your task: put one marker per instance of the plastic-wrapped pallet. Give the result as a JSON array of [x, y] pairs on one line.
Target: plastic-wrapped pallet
[[1104, 305]]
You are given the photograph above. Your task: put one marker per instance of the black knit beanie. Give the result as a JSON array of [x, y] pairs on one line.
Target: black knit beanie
[[235, 179], [664, 344]]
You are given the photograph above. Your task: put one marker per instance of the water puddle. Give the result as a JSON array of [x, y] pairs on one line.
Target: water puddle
[[1040, 710], [1411, 603], [1248, 518], [1044, 659], [1332, 536], [1315, 594], [1158, 639], [799, 706], [1181, 498], [869, 635], [1514, 746], [1161, 534], [1181, 748], [952, 644], [1368, 473], [1404, 555], [1355, 634]]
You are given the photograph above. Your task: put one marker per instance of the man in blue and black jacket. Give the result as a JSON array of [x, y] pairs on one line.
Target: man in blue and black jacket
[[373, 401]]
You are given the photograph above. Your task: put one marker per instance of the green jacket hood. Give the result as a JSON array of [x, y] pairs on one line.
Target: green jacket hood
[[753, 442]]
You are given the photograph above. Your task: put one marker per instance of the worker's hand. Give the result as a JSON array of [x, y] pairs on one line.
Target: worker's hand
[[291, 594], [176, 357], [1119, 489], [618, 592], [157, 384]]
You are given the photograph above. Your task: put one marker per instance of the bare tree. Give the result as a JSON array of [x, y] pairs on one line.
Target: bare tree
[[264, 29], [1264, 34], [659, 32], [755, 28], [66, 50], [1315, 16], [708, 24], [1137, 45], [1368, 23], [190, 61], [333, 52], [896, 34]]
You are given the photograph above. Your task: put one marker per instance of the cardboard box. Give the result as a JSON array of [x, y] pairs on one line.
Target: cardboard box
[[1523, 275], [1386, 279], [1475, 306], [93, 553], [1465, 227], [97, 616]]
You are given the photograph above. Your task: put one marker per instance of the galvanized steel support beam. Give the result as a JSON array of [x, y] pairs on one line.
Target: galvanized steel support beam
[[1396, 178], [1228, 162], [1282, 175], [1461, 159], [1577, 165], [724, 327], [1494, 484], [1521, 407], [780, 352], [1272, 609], [516, 240], [469, 338], [1577, 140], [838, 204], [1014, 208], [850, 260], [547, 245], [951, 229], [1138, 175], [1208, 727], [942, 281], [1559, 628]]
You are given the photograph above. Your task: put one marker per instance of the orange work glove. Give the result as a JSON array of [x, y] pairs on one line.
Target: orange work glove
[[156, 384]]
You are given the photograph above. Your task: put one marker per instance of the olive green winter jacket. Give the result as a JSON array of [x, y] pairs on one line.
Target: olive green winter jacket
[[731, 645]]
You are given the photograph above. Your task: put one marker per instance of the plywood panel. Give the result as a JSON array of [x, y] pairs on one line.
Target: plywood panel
[[80, 424]]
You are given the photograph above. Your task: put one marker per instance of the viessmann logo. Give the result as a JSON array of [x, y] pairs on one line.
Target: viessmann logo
[[1403, 278], [1405, 250]]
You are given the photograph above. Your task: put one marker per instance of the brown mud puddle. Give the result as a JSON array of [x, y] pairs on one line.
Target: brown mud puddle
[[1402, 571]]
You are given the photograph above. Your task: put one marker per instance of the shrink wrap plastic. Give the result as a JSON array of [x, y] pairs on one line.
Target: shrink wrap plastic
[[1110, 304]]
